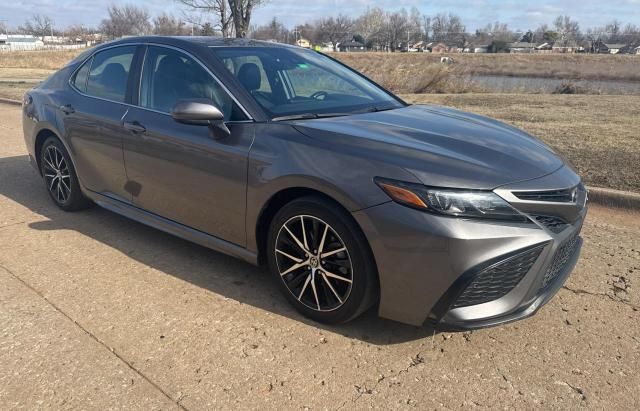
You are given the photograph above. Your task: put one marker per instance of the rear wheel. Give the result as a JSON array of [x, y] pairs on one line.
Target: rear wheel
[[321, 260], [60, 177]]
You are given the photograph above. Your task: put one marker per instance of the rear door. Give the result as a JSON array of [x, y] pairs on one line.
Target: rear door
[[181, 171], [92, 118]]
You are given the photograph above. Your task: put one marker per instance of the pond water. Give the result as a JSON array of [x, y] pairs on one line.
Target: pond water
[[508, 84]]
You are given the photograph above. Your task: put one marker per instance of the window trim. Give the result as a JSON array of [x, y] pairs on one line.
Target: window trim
[[250, 118]]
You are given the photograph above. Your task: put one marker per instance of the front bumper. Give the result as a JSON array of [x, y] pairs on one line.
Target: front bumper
[[425, 262]]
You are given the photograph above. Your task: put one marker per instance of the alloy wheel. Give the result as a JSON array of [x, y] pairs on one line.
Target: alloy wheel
[[314, 263], [57, 174]]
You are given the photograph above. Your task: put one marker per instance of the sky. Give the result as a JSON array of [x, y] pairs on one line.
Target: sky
[[520, 15]]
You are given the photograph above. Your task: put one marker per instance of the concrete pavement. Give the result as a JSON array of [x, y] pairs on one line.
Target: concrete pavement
[[97, 312]]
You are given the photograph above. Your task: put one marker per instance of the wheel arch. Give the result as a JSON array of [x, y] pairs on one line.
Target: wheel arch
[[41, 137], [284, 197]]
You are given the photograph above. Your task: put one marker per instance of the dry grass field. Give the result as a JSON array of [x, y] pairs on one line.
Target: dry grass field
[[561, 66]]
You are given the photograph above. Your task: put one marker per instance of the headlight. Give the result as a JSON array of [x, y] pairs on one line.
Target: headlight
[[451, 202]]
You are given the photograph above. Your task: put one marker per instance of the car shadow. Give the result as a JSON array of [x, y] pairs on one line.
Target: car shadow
[[187, 261]]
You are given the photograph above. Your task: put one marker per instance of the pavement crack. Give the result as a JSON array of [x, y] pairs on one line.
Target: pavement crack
[[95, 338], [579, 291], [577, 390], [415, 361]]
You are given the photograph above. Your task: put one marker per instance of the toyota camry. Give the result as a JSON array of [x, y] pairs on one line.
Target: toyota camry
[[284, 157]]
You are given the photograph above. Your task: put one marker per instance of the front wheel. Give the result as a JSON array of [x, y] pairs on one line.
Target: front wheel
[[322, 261]]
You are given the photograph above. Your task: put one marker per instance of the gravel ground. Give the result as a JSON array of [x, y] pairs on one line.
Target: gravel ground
[[100, 312]]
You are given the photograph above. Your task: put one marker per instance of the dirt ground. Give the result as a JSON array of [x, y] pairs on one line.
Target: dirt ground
[[97, 312]]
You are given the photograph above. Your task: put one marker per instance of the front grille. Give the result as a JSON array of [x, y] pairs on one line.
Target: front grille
[[560, 260], [553, 223], [558, 196], [496, 281]]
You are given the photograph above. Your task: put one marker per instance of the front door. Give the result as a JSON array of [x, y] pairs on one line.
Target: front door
[[183, 172]]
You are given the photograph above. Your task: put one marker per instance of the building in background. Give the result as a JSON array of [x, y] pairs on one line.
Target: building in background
[[14, 42]]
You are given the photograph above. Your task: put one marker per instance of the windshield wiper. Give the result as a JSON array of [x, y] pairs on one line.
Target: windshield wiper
[[308, 116], [375, 109]]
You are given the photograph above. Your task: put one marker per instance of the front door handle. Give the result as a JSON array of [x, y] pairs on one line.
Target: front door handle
[[135, 127], [67, 109]]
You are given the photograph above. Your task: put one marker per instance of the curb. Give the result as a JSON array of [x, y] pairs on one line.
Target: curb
[[603, 196], [614, 198], [10, 101]]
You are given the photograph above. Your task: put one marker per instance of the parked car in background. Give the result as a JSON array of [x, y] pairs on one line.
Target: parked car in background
[[282, 156]]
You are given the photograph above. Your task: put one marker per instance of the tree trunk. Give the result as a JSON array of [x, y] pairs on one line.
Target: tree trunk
[[241, 12]]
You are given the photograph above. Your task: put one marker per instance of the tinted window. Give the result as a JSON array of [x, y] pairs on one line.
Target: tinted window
[[169, 76], [109, 73], [80, 80], [291, 81]]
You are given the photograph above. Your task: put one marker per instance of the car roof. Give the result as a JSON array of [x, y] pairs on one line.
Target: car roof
[[206, 41]]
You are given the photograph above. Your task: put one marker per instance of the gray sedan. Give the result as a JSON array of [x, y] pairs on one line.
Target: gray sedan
[[285, 157]]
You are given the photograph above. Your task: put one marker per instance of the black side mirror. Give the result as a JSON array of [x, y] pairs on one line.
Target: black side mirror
[[199, 112]]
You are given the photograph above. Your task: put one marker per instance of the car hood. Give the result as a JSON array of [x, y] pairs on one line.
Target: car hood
[[440, 146]]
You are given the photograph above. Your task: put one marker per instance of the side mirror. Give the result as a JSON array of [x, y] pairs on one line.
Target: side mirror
[[196, 112], [200, 112]]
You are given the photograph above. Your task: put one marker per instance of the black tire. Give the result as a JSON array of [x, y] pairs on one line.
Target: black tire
[[334, 299], [60, 176]]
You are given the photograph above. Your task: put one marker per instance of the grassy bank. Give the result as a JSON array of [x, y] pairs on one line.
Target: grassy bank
[[599, 135], [42, 60], [560, 66]]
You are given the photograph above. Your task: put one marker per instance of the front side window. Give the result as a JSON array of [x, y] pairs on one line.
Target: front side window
[[289, 81], [110, 72], [169, 76]]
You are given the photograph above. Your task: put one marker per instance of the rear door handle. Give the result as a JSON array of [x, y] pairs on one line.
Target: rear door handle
[[135, 127], [67, 109]]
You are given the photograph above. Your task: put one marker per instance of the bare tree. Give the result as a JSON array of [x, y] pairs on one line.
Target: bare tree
[[448, 28], [568, 30], [38, 25], [217, 8], [335, 30], [168, 25], [241, 11], [274, 30], [77, 33], [370, 26], [397, 28], [127, 20]]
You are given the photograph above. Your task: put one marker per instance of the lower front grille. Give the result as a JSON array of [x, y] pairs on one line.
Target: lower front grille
[[560, 260], [498, 280], [553, 223]]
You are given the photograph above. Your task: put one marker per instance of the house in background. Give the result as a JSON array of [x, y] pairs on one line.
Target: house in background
[[302, 42], [544, 48], [521, 47], [351, 46], [434, 47], [637, 50], [611, 48], [479, 48], [566, 46]]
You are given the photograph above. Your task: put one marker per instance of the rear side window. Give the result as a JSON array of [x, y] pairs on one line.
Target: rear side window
[[80, 80], [109, 73]]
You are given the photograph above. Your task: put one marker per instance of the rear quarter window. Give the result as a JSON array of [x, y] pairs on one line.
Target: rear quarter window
[[81, 76]]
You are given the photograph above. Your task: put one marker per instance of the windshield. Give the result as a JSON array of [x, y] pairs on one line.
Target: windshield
[[290, 82]]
